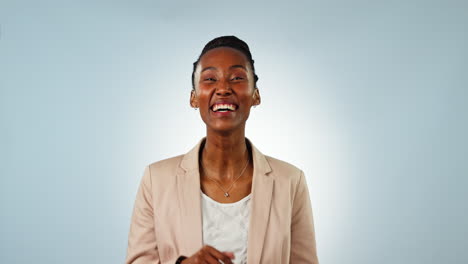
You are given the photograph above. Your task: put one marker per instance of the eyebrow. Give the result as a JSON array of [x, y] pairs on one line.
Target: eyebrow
[[232, 67], [208, 68], [237, 66]]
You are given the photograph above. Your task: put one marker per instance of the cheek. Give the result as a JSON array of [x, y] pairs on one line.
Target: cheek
[[248, 98], [203, 95]]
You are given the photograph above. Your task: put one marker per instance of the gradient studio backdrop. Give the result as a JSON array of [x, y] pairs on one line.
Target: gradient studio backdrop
[[369, 98]]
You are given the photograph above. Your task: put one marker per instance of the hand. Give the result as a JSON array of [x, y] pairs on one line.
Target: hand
[[209, 255]]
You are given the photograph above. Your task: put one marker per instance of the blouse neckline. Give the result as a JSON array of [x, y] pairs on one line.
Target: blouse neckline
[[209, 199]]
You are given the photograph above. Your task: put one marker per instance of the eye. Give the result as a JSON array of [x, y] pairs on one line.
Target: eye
[[209, 79], [237, 78]]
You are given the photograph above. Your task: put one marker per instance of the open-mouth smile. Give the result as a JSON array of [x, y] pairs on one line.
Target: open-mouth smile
[[224, 107]]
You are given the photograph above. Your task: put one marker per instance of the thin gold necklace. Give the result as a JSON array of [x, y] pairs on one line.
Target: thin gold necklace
[[226, 192]]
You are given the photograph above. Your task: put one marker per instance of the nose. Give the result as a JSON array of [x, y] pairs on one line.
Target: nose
[[223, 89]]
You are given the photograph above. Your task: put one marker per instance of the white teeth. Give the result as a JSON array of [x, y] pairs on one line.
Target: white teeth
[[225, 107]]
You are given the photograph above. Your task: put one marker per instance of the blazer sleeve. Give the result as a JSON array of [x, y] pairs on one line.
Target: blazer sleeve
[[142, 246], [303, 246]]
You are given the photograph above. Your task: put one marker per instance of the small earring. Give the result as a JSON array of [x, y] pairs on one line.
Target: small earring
[[195, 108], [255, 106]]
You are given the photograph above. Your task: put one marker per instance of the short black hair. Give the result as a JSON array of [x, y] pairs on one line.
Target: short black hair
[[226, 41]]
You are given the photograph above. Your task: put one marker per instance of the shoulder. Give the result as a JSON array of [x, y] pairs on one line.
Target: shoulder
[[172, 162], [164, 167], [289, 179], [283, 170], [159, 176]]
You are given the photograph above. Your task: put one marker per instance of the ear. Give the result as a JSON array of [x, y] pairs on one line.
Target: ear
[[193, 99], [256, 97]]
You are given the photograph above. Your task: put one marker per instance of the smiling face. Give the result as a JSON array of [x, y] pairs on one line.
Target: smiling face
[[224, 89]]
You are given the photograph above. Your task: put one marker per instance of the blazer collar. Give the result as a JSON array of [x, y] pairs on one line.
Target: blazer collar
[[188, 185]]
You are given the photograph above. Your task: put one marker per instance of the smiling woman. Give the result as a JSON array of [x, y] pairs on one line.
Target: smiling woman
[[223, 201]]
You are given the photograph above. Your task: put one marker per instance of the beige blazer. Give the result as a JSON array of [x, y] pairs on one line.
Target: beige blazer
[[167, 218]]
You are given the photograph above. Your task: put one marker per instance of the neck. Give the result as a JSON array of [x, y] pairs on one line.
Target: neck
[[224, 155]]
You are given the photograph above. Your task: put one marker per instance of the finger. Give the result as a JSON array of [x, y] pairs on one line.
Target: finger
[[210, 259], [229, 254], [226, 259], [225, 256], [212, 255]]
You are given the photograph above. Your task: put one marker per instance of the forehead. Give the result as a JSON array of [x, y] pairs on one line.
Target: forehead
[[223, 57]]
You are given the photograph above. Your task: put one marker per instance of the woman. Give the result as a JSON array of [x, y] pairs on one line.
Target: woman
[[223, 201]]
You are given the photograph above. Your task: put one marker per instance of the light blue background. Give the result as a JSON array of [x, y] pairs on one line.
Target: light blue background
[[369, 98]]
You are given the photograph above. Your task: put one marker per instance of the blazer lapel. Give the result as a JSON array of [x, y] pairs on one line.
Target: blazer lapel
[[188, 188], [262, 191]]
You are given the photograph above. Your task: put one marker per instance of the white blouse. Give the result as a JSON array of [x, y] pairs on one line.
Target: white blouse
[[226, 226]]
